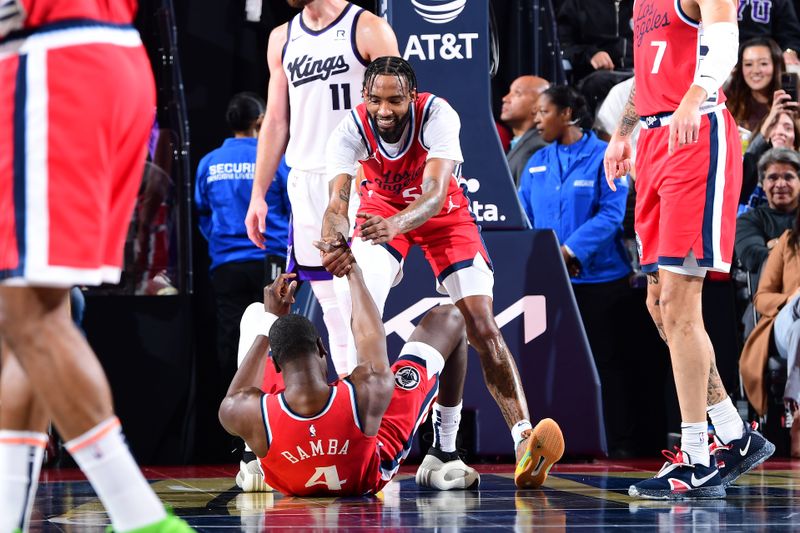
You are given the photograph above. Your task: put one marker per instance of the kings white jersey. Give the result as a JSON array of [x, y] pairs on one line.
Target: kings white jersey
[[325, 73]]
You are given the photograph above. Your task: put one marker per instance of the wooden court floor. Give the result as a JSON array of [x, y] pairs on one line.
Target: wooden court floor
[[576, 497]]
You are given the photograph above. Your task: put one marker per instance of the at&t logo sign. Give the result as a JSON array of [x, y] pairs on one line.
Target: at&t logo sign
[[438, 11]]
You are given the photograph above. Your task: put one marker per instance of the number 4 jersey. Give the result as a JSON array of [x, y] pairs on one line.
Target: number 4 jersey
[[325, 73], [668, 49], [319, 455]]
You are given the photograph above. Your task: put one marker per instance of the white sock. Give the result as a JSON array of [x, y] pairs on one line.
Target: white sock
[[728, 425], [107, 462], [517, 431], [21, 455], [445, 426], [694, 442]]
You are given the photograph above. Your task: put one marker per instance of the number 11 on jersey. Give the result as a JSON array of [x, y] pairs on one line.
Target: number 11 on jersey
[[345, 88]]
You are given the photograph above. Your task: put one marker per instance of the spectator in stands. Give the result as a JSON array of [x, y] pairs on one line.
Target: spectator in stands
[[239, 271], [771, 18], [778, 130], [754, 81], [778, 301], [519, 113], [758, 229], [563, 188], [597, 39]]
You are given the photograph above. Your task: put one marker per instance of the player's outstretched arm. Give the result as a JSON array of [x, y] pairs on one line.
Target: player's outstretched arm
[[272, 137], [372, 376], [240, 411], [617, 160]]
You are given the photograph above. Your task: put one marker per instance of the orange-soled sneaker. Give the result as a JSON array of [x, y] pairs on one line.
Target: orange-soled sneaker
[[543, 447]]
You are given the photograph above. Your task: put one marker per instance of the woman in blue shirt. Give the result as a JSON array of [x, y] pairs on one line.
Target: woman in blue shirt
[[239, 270], [563, 188]]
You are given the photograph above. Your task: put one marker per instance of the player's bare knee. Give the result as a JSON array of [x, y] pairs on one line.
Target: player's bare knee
[[446, 318], [483, 333]]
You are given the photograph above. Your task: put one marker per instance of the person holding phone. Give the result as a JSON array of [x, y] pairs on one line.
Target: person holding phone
[[755, 79]]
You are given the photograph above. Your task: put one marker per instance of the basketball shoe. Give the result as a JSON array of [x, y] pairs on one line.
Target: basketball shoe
[[170, 524], [446, 471], [681, 479], [544, 446], [250, 478], [741, 455]]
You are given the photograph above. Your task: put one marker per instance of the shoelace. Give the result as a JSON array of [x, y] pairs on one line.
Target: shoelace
[[673, 458]]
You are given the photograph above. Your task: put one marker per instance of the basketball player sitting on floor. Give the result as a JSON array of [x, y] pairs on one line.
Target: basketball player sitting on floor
[[349, 437]]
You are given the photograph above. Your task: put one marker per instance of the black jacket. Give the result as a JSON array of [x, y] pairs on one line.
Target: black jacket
[[586, 27], [754, 229], [775, 18]]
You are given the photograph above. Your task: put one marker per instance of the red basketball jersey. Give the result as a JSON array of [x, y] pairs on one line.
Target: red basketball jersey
[[398, 179], [668, 49], [323, 455], [40, 12]]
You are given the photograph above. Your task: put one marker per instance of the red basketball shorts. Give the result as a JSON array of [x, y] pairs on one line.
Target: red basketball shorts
[[687, 201], [77, 102], [450, 240], [416, 378]]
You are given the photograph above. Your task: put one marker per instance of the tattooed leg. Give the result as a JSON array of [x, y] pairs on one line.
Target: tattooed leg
[[654, 302]]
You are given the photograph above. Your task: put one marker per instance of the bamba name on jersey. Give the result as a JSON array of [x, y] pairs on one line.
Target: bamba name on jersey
[[316, 448], [306, 69]]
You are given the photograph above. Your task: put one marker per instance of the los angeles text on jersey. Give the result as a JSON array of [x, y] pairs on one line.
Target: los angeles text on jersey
[[649, 19], [305, 69], [397, 181], [316, 448]]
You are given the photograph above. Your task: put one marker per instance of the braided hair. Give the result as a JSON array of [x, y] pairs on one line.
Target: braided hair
[[390, 66]]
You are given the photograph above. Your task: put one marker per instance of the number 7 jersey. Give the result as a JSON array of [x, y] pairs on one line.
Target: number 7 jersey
[[668, 49], [325, 73]]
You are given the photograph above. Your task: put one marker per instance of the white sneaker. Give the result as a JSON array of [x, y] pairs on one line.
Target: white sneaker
[[250, 478], [446, 471]]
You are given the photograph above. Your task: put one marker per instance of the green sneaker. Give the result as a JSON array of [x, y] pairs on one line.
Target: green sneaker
[[171, 524]]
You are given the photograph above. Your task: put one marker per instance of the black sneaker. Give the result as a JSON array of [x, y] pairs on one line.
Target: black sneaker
[[681, 479], [741, 455]]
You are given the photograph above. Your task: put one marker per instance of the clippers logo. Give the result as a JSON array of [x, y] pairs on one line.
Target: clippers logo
[[407, 378], [650, 121], [306, 69], [439, 11]]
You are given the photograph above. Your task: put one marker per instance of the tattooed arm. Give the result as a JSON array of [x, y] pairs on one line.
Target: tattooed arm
[[438, 173], [617, 161], [345, 148], [335, 221], [629, 116]]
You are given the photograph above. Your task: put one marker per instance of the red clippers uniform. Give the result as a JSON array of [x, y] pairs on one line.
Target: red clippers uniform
[[450, 239], [686, 202], [77, 102], [328, 454]]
